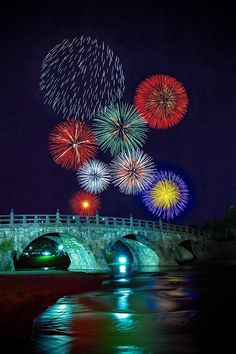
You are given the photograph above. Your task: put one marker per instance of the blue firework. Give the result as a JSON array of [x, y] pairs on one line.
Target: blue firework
[[94, 176], [167, 196]]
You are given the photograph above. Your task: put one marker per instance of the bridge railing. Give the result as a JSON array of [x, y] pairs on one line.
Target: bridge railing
[[50, 219]]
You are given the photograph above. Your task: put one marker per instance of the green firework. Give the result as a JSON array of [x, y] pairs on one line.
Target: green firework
[[119, 128]]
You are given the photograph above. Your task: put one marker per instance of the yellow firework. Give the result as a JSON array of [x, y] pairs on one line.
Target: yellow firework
[[165, 194]]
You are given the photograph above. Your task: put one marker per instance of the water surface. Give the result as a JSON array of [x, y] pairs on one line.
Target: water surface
[[186, 310]]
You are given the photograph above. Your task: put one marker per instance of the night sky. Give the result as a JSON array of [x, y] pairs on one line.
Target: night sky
[[191, 41]]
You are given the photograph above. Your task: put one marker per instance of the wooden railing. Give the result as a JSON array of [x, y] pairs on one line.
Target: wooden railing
[[58, 219]]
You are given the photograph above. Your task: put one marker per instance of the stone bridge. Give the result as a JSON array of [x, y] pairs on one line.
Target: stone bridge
[[171, 243]]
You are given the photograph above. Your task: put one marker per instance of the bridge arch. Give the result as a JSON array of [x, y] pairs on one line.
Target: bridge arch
[[144, 258], [80, 255], [184, 252], [45, 251]]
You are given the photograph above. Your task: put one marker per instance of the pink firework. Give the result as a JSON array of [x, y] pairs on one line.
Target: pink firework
[[132, 171]]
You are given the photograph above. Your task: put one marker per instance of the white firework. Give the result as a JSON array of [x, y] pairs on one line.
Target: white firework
[[132, 171], [79, 77], [94, 176]]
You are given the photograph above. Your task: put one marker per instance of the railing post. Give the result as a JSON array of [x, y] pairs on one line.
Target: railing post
[[57, 216], [160, 224], [47, 219], [12, 217], [35, 219], [68, 219], [24, 219], [78, 219], [97, 218], [161, 229], [131, 220]]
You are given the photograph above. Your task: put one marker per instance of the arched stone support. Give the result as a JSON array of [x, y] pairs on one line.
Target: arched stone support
[[98, 237]]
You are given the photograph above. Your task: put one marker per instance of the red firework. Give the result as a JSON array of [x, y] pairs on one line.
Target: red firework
[[161, 100], [84, 203], [72, 143]]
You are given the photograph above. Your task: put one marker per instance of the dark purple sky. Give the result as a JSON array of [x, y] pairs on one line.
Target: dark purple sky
[[191, 41]]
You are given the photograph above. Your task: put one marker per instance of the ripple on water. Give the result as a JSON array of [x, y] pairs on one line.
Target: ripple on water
[[143, 314]]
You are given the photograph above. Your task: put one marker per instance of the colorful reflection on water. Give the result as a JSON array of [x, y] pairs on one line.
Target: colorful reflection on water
[[142, 314]]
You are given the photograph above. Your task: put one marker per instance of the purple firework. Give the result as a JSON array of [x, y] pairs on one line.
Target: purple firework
[[167, 196]]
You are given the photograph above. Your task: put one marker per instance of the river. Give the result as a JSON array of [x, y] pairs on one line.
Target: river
[[176, 310]]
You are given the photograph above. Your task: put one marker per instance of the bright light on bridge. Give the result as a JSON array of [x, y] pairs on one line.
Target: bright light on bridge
[[122, 260], [46, 253], [122, 269]]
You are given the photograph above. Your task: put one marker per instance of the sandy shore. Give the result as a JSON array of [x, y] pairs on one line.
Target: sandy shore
[[24, 295]]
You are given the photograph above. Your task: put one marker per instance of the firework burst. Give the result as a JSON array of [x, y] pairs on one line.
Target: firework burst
[[167, 196], [119, 127], [84, 204], [132, 171], [81, 76], [72, 143], [161, 100], [94, 176]]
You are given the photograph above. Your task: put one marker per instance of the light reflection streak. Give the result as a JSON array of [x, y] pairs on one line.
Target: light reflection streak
[[122, 316], [123, 322], [50, 344], [131, 318], [129, 349]]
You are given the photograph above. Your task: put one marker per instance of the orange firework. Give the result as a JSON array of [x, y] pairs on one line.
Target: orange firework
[[72, 143], [84, 203], [161, 100]]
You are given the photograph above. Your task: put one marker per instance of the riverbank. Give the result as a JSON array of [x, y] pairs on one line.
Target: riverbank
[[24, 295]]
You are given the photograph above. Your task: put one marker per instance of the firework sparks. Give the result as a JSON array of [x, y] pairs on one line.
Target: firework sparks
[[161, 100], [72, 143], [132, 171], [81, 76], [94, 176], [168, 195], [119, 128], [84, 204]]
